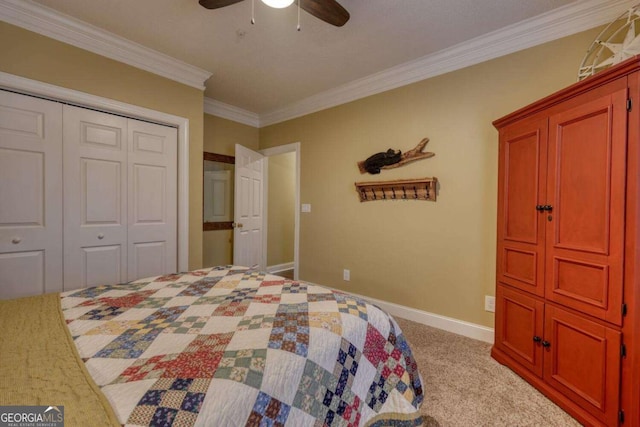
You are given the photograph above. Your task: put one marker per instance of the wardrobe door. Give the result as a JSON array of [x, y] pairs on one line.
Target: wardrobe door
[[95, 208], [152, 199], [586, 188], [521, 194], [30, 195]]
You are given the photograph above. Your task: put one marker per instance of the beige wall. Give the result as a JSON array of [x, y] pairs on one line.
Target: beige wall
[[281, 209], [36, 57], [220, 137], [434, 256]]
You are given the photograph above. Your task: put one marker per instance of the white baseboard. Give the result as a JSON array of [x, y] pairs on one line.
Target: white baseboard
[[449, 324], [280, 267], [460, 327]]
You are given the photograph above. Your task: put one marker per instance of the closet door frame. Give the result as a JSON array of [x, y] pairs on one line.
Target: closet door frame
[[81, 99]]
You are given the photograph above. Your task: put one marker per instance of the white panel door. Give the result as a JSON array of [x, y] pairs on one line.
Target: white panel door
[[95, 204], [30, 196], [152, 199], [248, 236]]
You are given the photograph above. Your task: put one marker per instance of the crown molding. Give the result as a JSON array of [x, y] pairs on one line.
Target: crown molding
[[564, 21], [48, 22], [226, 111]]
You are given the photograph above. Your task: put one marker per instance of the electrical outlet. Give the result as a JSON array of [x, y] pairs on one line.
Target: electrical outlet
[[346, 275], [490, 303]]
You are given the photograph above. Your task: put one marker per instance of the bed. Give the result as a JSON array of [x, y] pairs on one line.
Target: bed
[[225, 346]]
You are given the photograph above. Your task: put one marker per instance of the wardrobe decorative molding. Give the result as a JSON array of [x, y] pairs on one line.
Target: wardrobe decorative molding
[[61, 27]]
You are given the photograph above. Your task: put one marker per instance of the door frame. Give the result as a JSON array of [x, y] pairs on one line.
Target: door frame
[[274, 151], [36, 88]]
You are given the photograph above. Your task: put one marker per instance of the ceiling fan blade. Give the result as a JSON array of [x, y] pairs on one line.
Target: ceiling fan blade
[[329, 11], [215, 4]]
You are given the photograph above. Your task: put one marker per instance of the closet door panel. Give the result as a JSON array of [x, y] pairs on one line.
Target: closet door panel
[[152, 199], [95, 206], [30, 194]]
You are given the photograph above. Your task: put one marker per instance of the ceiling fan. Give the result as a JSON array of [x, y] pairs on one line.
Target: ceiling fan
[[329, 11]]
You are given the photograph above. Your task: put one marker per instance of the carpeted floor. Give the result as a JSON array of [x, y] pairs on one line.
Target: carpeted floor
[[464, 386]]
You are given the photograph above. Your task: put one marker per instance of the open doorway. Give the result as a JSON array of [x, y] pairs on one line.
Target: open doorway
[[282, 209]]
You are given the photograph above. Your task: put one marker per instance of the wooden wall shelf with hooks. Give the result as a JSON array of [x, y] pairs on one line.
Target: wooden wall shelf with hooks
[[402, 189]]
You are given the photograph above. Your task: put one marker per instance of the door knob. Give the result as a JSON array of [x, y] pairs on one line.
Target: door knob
[[238, 225], [100, 236], [16, 240], [537, 339], [546, 344]]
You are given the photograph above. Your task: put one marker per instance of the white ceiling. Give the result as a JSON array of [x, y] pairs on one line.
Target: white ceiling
[[268, 66]]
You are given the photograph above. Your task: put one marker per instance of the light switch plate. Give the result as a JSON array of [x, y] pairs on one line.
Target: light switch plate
[[306, 208]]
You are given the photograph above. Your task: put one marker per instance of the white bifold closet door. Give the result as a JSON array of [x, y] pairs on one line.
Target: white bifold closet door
[[120, 192], [30, 195]]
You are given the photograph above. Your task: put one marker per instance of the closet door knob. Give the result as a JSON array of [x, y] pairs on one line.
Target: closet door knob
[[16, 240], [546, 344], [537, 339], [100, 236]]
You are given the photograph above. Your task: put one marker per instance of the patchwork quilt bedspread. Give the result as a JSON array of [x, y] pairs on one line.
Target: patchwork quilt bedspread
[[230, 346]]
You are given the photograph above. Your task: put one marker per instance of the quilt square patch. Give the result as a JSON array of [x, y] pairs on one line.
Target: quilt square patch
[[144, 369], [346, 365], [200, 287], [189, 325], [291, 329], [167, 407], [321, 297], [259, 321], [355, 307], [329, 321], [168, 278], [129, 345], [244, 366], [320, 395], [164, 315], [268, 411], [210, 342], [267, 298], [294, 287], [153, 302], [130, 300], [231, 309], [91, 292], [103, 313], [253, 275], [239, 295]]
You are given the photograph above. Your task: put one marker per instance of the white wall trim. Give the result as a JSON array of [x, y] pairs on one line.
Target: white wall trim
[[564, 21], [460, 327], [226, 111], [61, 27], [45, 90], [274, 151], [280, 267], [449, 324]]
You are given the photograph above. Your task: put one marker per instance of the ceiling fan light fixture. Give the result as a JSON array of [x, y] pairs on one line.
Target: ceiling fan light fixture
[[278, 4]]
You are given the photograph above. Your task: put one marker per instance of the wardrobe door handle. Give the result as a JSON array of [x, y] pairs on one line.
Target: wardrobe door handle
[[537, 339], [546, 344]]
